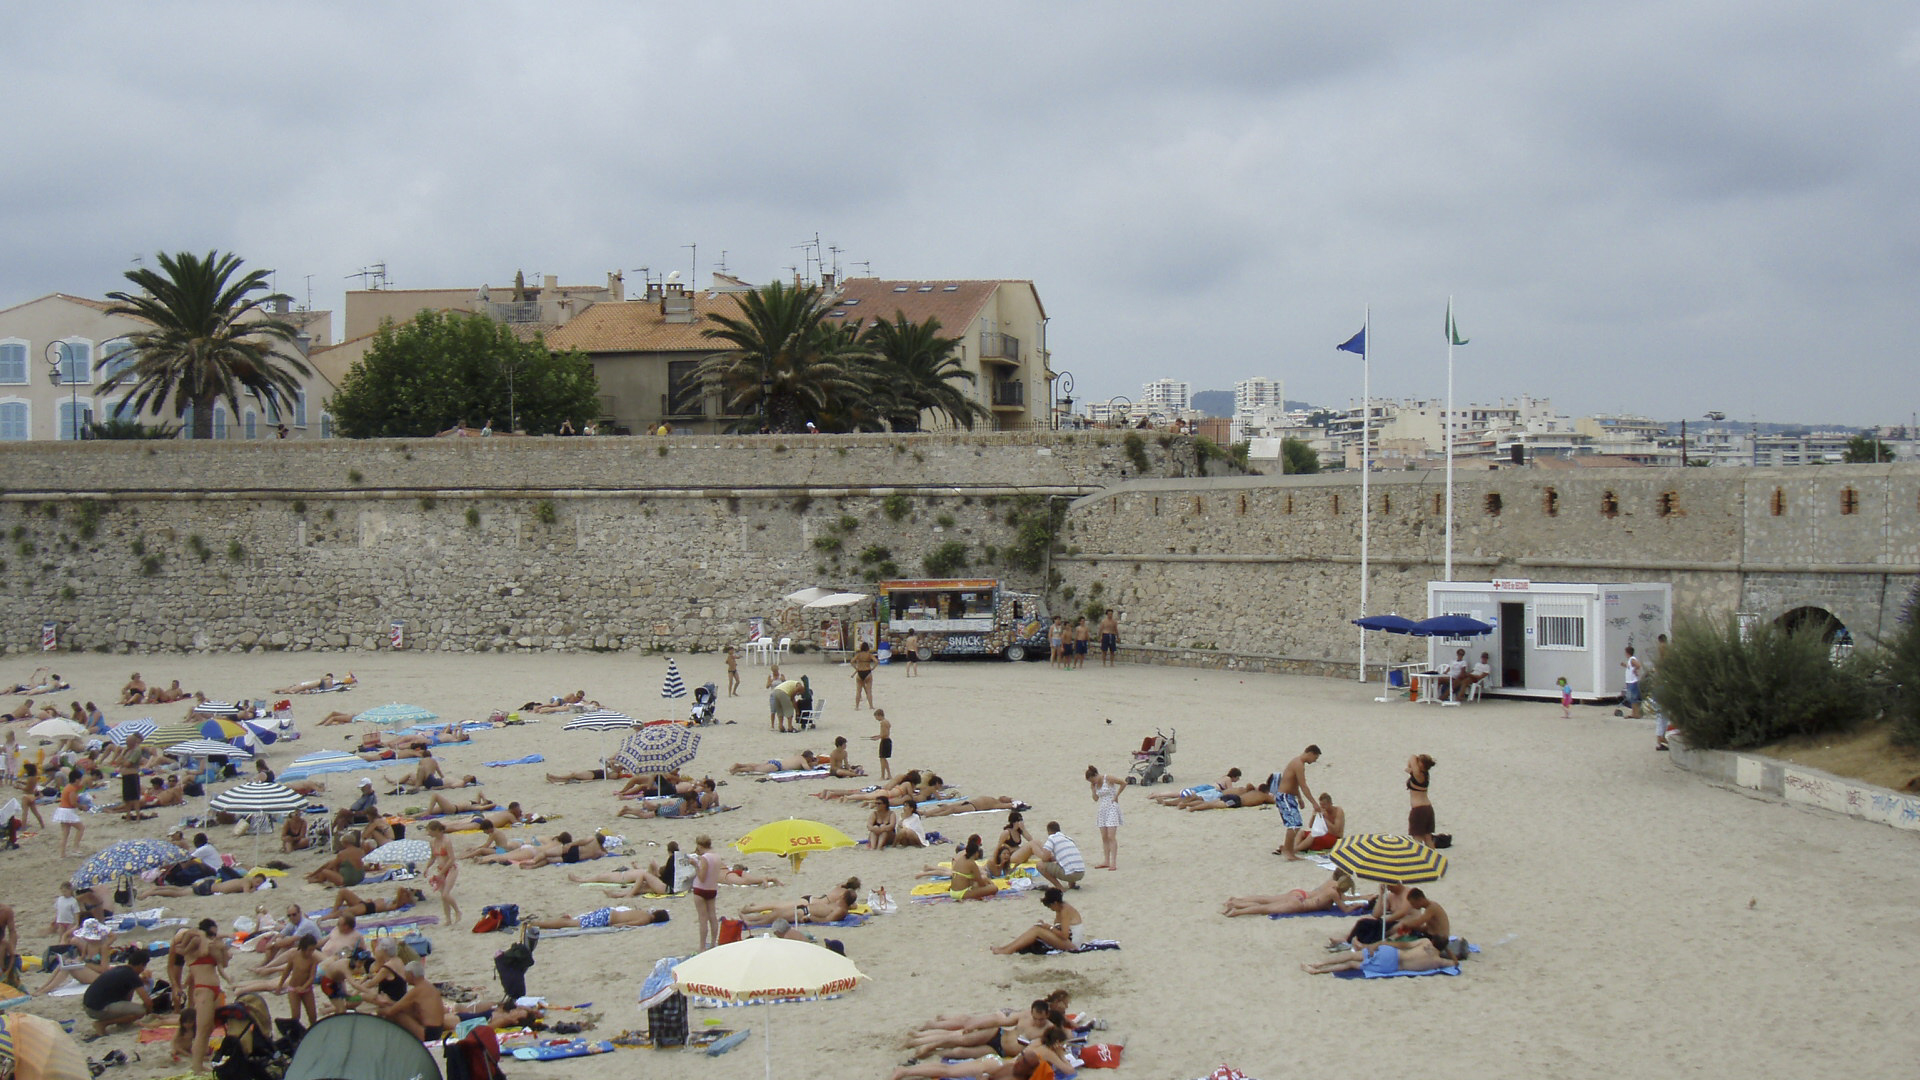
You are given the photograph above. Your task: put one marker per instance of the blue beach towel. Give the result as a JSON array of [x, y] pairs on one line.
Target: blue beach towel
[[530, 759]]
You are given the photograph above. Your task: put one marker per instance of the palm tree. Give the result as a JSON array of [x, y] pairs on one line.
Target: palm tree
[[916, 372], [210, 339], [788, 364]]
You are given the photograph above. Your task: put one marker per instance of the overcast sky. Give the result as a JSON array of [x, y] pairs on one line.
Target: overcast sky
[[1656, 207]]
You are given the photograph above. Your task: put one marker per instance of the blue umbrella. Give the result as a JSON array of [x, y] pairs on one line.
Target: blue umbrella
[[658, 748], [264, 732], [396, 715], [1451, 626], [332, 761], [119, 733], [126, 857], [1392, 624], [674, 686]]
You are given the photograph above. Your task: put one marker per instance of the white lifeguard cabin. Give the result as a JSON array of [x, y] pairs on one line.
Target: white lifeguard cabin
[[1545, 630]]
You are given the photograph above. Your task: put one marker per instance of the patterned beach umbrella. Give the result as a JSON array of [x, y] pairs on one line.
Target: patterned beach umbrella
[[1383, 857], [168, 734], [40, 1050], [396, 715], [217, 708], [258, 797], [401, 853], [198, 748], [263, 732], [126, 857], [658, 748], [675, 686], [119, 733], [604, 720], [332, 761]]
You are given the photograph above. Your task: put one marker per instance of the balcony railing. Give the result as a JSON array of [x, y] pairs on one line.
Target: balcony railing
[[1010, 394], [997, 346]]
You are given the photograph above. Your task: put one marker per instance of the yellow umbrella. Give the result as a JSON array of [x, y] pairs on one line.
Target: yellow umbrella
[[794, 838], [41, 1051], [766, 970], [221, 728]]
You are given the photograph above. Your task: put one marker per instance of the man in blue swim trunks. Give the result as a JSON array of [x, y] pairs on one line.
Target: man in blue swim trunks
[[1390, 958], [1289, 787]]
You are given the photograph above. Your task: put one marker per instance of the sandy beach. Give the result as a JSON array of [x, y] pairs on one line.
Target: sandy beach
[[1634, 920]]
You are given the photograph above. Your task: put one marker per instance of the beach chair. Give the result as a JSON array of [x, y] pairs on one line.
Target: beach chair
[[810, 716], [780, 650]]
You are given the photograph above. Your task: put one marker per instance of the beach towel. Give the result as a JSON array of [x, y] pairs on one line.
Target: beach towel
[[1095, 945], [1350, 974], [401, 922], [575, 931], [699, 1002], [795, 774], [1317, 914], [530, 759]]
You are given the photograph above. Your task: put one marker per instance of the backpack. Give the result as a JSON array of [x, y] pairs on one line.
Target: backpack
[[731, 930], [497, 917], [476, 1056]]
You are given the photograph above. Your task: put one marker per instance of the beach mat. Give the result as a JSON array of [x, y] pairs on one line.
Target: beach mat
[[1096, 945], [530, 759]]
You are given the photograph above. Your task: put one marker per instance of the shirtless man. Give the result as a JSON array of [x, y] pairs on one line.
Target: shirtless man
[[804, 762], [500, 819], [970, 805], [1418, 955], [1288, 795], [837, 764], [1234, 800], [421, 1010], [808, 909], [1329, 824], [604, 917], [324, 682], [1428, 920], [1188, 796]]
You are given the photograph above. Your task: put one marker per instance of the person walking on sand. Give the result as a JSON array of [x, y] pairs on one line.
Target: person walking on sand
[[1109, 639], [911, 647], [863, 663], [886, 743], [1631, 695], [1289, 790], [733, 672], [1420, 814], [1106, 797], [67, 814], [706, 889], [443, 870]]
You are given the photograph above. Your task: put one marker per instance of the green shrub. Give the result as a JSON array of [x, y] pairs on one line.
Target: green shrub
[[1034, 521], [544, 513], [354, 476], [946, 560], [473, 517], [1726, 693], [150, 565], [67, 593], [945, 521], [299, 506], [427, 502], [235, 551], [874, 553], [1135, 448], [86, 519], [828, 542], [896, 507], [846, 524], [139, 546], [1095, 611], [198, 546], [1902, 660]]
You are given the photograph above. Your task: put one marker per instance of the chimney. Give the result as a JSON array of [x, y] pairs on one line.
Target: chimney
[[549, 282], [616, 285], [283, 305]]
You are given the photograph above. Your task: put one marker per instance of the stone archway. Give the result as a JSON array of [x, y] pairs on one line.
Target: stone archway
[[1811, 617]]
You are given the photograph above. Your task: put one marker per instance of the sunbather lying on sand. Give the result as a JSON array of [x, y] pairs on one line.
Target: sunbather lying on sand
[[805, 761], [324, 682], [831, 907], [1384, 959], [586, 776], [498, 1014], [1234, 800], [570, 852], [913, 784], [1229, 782], [972, 803], [345, 902], [335, 717], [699, 799], [979, 1042], [1330, 895], [209, 886], [1019, 1067], [527, 852], [599, 917], [447, 804], [645, 784], [999, 1018]]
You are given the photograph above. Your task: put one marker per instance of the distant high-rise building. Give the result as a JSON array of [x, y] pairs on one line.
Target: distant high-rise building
[[1168, 396], [1250, 395]]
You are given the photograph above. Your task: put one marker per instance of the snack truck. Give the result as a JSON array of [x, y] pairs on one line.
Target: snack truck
[[965, 617]]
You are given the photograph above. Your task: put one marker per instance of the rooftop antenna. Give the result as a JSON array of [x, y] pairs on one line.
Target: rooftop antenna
[[694, 274], [795, 271], [723, 261], [373, 277], [835, 250], [810, 252], [309, 292], [864, 264]]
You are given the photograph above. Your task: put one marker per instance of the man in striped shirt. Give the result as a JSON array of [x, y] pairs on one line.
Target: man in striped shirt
[[1060, 861]]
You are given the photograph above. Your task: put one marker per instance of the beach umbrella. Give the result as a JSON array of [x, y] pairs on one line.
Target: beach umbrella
[[1451, 626], [658, 748], [396, 715], [836, 600], [40, 1050], [675, 686], [264, 732], [119, 733], [1388, 859], [220, 729], [258, 797], [764, 970], [217, 708], [123, 857], [198, 748], [401, 853], [333, 761], [168, 734], [1392, 624], [57, 728], [603, 720], [794, 839], [807, 595]]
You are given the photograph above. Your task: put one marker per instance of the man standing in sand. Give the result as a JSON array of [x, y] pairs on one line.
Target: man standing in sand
[[1289, 789], [1632, 694], [1109, 639]]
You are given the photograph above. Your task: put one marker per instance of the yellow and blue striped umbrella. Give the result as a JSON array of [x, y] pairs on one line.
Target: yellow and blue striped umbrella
[[1383, 857], [170, 734]]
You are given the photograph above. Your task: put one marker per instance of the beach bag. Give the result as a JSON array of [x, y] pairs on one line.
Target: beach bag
[[731, 930], [497, 917], [511, 964], [1100, 1056], [476, 1056], [667, 1021], [419, 943]]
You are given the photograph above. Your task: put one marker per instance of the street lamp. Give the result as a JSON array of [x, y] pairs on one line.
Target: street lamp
[[1114, 398], [1063, 383], [54, 363]]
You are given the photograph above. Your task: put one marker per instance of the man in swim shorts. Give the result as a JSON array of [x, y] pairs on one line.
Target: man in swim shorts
[[1289, 787]]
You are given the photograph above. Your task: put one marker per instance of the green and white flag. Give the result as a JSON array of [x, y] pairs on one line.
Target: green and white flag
[[1453, 332]]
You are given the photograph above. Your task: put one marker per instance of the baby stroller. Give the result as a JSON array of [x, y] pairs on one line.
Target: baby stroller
[[705, 701], [1152, 761]]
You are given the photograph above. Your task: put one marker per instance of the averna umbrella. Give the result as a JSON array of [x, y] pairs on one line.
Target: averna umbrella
[[124, 857], [57, 728], [766, 970]]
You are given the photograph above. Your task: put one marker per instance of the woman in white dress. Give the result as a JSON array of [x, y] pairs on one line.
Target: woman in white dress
[[1106, 814]]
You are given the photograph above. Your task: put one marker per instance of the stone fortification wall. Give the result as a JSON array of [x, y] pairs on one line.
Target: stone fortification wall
[[504, 543], [1265, 569]]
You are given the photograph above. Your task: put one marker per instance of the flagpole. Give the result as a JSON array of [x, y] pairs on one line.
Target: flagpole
[[1449, 423], [1366, 455]]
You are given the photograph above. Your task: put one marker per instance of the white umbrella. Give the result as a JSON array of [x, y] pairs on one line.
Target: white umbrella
[[839, 599], [766, 970], [807, 595], [197, 748], [400, 853], [57, 728], [603, 720], [119, 733], [217, 708]]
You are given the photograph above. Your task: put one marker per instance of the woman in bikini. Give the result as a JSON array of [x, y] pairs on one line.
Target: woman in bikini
[[573, 851], [998, 1039], [901, 788], [206, 960], [804, 762], [706, 889], [970, 804], [968, 880], [1329, 896], [881, 825], [831, 907], [445, 805], [347, 868], [443, 870], [1420, 813], [1021, 1067], [1066, 932], [345, 902]]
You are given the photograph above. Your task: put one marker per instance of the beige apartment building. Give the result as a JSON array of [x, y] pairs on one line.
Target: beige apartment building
[[75, 334]]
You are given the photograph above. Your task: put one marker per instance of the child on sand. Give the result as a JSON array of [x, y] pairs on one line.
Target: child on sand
[[1566, 699], [886, 743]]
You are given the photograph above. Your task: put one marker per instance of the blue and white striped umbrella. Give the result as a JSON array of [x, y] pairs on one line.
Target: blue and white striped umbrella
[[396, 715], [258, 797], [674, 686], [119, 733], [332, 761], [217, 708], [198, 748], [604, 720], [658, 748]]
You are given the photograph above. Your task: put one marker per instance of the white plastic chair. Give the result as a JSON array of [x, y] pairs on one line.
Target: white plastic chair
[[781, 650], [758, 650], [1473, 692], [810, 717]]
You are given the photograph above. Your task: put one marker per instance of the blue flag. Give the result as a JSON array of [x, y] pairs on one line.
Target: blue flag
[[1355, 344]]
